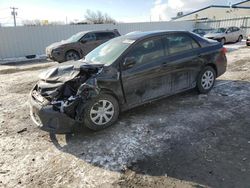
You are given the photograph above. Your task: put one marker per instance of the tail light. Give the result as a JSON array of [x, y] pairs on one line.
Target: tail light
[[224, 50]]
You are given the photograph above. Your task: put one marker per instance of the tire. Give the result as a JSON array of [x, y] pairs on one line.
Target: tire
[[206, 80], [72, 55], [94, 112], [223, 41], [240, 38]]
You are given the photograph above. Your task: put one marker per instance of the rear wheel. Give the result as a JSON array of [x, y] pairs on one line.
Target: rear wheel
[[101, 112], [206, 80], [72, 55], [240, 39]]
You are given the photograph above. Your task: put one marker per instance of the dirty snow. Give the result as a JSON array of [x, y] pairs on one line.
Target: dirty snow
[[155, 145]]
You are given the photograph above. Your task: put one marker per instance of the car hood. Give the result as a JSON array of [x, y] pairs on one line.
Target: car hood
[[59, 44], [213, 35], [67, 71]]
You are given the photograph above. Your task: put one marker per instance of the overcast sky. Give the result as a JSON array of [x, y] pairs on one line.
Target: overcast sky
[[120, 10]]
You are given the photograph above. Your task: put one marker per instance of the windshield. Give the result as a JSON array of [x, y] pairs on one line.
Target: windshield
[[220, 30], [108, 52], [75, 37]]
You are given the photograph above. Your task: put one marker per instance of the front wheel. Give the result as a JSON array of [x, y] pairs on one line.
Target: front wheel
[[101, 112], [206, 80], [72, 55]]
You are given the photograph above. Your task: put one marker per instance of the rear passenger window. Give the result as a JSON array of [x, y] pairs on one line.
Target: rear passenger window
[[230, 30], [148, 51], [178, 43], [104, 36], [89, 37], [111, 35], [236, 29]]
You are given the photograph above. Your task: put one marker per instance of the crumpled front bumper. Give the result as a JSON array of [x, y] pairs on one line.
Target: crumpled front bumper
[[55, 56], [50, 120]]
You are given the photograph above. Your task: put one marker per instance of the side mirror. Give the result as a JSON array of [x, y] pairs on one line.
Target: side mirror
[[129, 62]]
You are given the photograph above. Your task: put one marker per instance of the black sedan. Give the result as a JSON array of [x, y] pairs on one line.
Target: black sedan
[[123, 73]]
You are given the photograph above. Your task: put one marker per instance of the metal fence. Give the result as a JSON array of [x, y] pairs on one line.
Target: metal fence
[[242, 22], [23, 41]]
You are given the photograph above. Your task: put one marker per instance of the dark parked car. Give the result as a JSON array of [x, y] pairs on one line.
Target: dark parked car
[[80, 44], [123, 73]]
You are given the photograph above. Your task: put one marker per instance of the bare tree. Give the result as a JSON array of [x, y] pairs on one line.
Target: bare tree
[[98, 17]]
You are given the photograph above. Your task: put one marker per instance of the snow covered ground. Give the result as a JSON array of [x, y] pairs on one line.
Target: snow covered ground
[[235, 46], [185, 140]]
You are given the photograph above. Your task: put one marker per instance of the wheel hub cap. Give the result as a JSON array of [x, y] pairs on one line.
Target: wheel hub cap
[[102, 112], [207, 80]]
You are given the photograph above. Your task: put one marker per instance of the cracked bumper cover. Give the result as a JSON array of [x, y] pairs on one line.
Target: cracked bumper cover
[[50, 120]]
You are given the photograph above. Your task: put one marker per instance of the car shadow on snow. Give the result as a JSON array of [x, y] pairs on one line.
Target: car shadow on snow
[[199, 138]]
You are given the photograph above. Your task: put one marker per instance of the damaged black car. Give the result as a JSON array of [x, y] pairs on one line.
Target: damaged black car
[[123, 73]]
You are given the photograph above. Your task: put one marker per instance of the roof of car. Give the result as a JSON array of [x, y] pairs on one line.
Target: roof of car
[[98, 31], [140, 35]]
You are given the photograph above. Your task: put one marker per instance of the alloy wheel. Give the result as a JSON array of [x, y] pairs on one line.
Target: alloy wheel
[[71, 56], [207, 80], [102, 112]]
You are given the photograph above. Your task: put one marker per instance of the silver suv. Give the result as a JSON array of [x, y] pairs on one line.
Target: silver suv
[[226, 35]]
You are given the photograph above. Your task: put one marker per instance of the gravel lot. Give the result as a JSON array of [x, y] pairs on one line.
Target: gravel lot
[[187, 140]]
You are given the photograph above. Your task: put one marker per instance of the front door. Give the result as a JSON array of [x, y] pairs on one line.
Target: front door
[[146, 79], [88, 43]]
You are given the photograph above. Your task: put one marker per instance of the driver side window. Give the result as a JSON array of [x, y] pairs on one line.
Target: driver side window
[[230, 30], [148, 51], [89, 37]]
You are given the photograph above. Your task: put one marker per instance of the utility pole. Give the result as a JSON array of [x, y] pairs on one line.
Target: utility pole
[[14, 14]]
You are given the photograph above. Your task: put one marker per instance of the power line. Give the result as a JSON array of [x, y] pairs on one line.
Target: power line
[[14, 14]]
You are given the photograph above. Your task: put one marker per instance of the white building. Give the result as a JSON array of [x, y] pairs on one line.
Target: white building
[[213, 12]]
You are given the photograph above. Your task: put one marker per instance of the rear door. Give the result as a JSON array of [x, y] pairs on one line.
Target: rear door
[[88, 42], [184, 61], [146, 79], [237, 33], [230, 35]]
